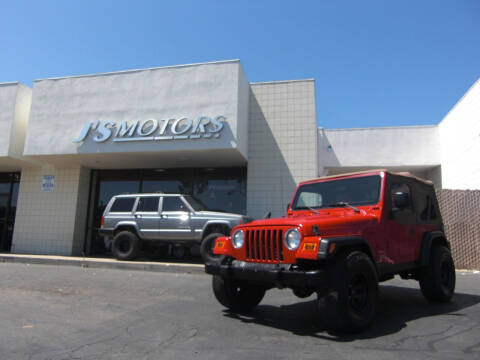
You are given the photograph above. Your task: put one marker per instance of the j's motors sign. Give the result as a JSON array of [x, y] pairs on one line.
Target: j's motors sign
[[203, 127]]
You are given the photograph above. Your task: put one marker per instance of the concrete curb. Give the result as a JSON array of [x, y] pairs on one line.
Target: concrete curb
[[104, 263], [108, 263]]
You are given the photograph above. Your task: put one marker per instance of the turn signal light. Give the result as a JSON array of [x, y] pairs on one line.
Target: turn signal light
[[102, 222], [310, 247]]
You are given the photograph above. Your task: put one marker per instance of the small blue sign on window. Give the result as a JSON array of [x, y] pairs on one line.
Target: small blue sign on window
[[48, 182]]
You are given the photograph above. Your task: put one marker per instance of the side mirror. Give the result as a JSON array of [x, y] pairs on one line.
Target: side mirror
[[401, 201]]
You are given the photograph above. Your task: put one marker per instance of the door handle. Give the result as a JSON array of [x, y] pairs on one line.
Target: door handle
[[138, 216], [164, 216]]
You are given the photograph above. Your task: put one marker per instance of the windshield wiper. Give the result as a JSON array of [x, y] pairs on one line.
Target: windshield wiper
[[312, 209], [305, 208], [344, 204]]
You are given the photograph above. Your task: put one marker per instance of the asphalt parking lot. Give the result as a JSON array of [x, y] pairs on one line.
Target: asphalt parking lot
[[66, 312]]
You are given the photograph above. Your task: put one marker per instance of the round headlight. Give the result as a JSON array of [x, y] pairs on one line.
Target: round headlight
[[292, 239], [238, 239]]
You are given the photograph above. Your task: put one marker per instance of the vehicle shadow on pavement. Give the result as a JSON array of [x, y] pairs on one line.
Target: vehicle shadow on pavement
[[397, 307]]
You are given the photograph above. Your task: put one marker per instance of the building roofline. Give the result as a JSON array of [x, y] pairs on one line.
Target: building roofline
[[138, 70], [281, 81], [477, 82], [381, 127], [9, 83]]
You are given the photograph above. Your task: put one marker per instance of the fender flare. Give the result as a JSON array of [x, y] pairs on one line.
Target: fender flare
[[341, 242], [426, 245], [131, 224], [216, 222]]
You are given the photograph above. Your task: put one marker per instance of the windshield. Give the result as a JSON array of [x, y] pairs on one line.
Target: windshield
[[355, 191], [196, 204]]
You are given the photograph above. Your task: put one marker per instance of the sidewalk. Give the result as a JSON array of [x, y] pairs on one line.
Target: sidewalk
[[104, 263]]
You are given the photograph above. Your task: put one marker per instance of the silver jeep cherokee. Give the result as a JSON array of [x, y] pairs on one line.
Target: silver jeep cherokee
[[136, 221]]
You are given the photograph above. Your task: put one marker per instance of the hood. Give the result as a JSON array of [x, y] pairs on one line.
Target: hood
[[219, 214], [327, 220]]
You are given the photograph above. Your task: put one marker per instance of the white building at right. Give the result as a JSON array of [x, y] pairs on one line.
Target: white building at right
[[447, 153]]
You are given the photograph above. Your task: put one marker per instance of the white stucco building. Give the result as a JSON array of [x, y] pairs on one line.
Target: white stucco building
[[71, 143]]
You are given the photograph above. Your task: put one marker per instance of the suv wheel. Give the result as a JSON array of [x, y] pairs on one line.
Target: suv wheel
[[125, 246], [351, 302], [206, 248], [235, 295], [437, 280]]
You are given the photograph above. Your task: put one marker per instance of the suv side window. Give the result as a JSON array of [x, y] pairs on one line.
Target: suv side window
[[123, 204], [148, 204], [173, 203]]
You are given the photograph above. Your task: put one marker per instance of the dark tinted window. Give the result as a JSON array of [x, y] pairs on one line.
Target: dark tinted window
[[8, 190], [3, 207], [168, 181], [148, 204], [123, 205], [173, 203], [4, 188]]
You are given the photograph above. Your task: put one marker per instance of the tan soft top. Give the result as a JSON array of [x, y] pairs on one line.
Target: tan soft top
[[406, 174]]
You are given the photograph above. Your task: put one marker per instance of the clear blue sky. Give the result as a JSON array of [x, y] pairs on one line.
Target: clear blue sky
[[376, 63]]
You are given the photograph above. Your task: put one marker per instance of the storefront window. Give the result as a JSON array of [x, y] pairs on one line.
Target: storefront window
[[222, 189], [3, 206], [108, 189], [168, 181], [4, 187]]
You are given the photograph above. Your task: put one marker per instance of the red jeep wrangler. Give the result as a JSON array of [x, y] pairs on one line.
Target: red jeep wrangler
[[341, 235]]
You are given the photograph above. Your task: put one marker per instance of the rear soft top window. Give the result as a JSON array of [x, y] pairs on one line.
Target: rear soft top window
[[123, 205]]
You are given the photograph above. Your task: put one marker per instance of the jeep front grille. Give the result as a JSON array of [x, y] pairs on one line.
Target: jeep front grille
[[264, 245]]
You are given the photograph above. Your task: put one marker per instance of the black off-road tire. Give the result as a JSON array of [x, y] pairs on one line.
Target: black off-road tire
[[206, 248], [351, 303], [437, 280], [126, 246], [236, 296]]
